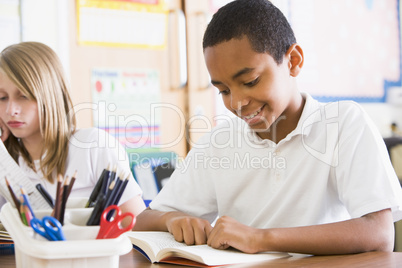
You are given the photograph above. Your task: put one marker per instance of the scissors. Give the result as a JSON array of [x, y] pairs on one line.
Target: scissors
[[49, 227], [112, 228]]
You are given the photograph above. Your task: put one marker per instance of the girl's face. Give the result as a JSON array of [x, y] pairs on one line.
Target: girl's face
[[18, 113]]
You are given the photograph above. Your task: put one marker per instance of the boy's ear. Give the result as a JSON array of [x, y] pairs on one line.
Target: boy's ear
[[296, 59]]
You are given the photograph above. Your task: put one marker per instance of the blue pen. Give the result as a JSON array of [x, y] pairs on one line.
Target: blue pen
[[24, 195]]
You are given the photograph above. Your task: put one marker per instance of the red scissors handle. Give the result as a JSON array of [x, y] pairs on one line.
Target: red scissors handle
[[112, 229]]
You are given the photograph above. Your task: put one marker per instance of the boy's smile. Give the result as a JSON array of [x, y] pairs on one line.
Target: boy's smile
[[255, 88]]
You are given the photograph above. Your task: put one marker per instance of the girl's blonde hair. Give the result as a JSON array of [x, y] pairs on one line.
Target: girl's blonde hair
[[37, 72]]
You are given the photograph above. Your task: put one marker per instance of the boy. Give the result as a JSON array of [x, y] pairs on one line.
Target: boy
[[292, 174]]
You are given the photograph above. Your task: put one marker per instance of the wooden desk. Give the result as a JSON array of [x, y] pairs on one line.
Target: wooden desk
[[363, 260]]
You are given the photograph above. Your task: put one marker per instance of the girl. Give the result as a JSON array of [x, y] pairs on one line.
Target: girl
[[39, 127]]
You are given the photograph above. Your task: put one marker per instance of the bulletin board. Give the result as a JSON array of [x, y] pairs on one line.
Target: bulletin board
[[352, 49], [125, 102], [122, 23]]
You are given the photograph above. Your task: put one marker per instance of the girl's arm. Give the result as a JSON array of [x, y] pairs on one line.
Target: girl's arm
[[134, 205]]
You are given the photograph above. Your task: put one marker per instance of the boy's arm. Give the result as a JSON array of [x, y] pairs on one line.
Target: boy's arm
[[183, 227], [372, 232]]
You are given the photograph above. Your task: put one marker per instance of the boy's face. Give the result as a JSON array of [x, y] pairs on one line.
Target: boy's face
[[253, 86]]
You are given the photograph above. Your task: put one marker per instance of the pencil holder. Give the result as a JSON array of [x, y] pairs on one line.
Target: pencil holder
[[80, 249]]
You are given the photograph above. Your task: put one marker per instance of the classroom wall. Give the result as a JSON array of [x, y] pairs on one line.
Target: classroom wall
[[46, 21], [383, 115]]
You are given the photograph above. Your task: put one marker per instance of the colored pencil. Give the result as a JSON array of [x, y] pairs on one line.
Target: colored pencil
[[122, 188], [116, 190], [108, 180], [114, 195], [110, 191], [64, 200], [118, 196], [22, 212], [27, 213], [94, 219], [70, 185], [56, 211], [26, 200], [13, 196], [97, 188]]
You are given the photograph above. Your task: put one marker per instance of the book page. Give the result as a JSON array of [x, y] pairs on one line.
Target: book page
[[168, 247], [211, 256], [155, 242], [10, 169]]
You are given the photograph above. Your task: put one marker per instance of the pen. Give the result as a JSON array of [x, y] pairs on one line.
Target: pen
[[45, 194]]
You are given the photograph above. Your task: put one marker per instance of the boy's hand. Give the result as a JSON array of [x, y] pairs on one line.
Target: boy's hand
[[188, 229], [230, 233]]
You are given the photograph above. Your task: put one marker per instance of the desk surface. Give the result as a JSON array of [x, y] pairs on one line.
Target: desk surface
[[369, 259]]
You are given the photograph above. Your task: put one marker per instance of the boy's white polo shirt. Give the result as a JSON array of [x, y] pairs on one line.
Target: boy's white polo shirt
[[334, 166]]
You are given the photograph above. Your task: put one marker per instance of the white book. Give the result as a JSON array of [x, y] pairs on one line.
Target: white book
[[16, 177], [162, 247]]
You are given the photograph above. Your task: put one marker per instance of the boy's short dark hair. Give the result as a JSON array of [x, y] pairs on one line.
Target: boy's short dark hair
[[259, 20]]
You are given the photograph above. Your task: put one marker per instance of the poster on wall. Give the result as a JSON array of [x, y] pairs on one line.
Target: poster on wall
[[126, 105], [122, 23], [352, 49]]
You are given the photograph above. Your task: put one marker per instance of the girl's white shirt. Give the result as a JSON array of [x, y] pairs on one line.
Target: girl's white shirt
[[91, 151]]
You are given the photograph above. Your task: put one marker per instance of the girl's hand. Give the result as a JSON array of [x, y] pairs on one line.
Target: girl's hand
[[5, 132]]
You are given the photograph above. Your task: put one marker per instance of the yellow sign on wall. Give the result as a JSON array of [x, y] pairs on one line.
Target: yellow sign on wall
[[122, 23]]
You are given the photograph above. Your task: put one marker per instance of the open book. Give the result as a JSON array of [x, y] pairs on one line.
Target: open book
[[162, 247]]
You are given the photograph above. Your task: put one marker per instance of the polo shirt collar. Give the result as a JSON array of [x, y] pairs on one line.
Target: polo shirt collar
[[310, 108]]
